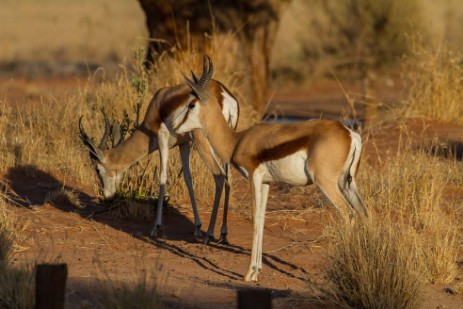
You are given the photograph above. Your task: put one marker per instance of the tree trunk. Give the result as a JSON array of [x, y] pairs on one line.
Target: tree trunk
[[255, 23]]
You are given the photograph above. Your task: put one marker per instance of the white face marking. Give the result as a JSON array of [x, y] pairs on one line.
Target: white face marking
[[109, 181], [173, 121], [188, 118]]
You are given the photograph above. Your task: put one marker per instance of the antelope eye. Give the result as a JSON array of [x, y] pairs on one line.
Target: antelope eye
[[191, 105]]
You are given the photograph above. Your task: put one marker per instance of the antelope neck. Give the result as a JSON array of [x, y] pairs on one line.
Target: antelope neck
[[222, 138], [132, 149]]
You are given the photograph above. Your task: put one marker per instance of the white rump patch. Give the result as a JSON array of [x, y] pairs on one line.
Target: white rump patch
[[230, 109]]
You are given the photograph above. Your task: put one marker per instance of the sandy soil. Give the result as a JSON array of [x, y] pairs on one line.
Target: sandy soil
[[190, 274]]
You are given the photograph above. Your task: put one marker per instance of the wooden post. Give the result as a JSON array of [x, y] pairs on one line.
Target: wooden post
[[254, 299], [50, 286]]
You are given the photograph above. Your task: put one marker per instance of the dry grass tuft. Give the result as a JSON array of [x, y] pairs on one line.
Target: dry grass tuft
[[143, 293], [116, 294], [408, 190], [434, 78], [409, 239], [133, 207], [64, 196], [370, 268], [16, 285]]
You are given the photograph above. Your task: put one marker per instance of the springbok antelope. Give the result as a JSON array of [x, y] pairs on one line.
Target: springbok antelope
[[154, 134], [322, 152]]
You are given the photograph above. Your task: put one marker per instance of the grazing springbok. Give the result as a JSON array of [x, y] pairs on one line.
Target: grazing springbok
[[154, 134], [322, 152]]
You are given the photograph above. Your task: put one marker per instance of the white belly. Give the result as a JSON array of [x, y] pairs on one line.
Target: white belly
[[291, 170]]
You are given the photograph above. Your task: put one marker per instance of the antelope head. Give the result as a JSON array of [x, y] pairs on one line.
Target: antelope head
[[188, 117], [108, 174]]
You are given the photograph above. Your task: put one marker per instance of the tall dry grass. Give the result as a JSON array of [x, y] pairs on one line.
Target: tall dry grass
[[373, 265], [433, 77], [409, 189], [410, 238]]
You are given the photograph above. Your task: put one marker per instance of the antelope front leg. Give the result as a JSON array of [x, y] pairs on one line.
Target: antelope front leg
[[185, 157], [219, 180], [255, 266], [263, 206], [224, 229], [157, 229]]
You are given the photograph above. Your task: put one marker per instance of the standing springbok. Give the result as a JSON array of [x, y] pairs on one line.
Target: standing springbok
[[154, 134], [322, 152]]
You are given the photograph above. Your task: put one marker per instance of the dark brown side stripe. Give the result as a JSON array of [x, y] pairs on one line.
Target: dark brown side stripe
[[283, 150]]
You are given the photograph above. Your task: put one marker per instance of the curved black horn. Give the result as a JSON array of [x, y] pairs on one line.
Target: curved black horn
[[195, 79], [199, 86], [94, 152], [208, 70], [201, 93]]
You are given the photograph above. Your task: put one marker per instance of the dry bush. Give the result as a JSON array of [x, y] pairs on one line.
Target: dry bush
[[409, 189], [370, 267], [434, 78], [409, 239]]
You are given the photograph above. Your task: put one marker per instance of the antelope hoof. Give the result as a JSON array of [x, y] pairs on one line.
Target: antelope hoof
[[157, 231], [197, 232], [207, 239], [252, 274], [223, 239]]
